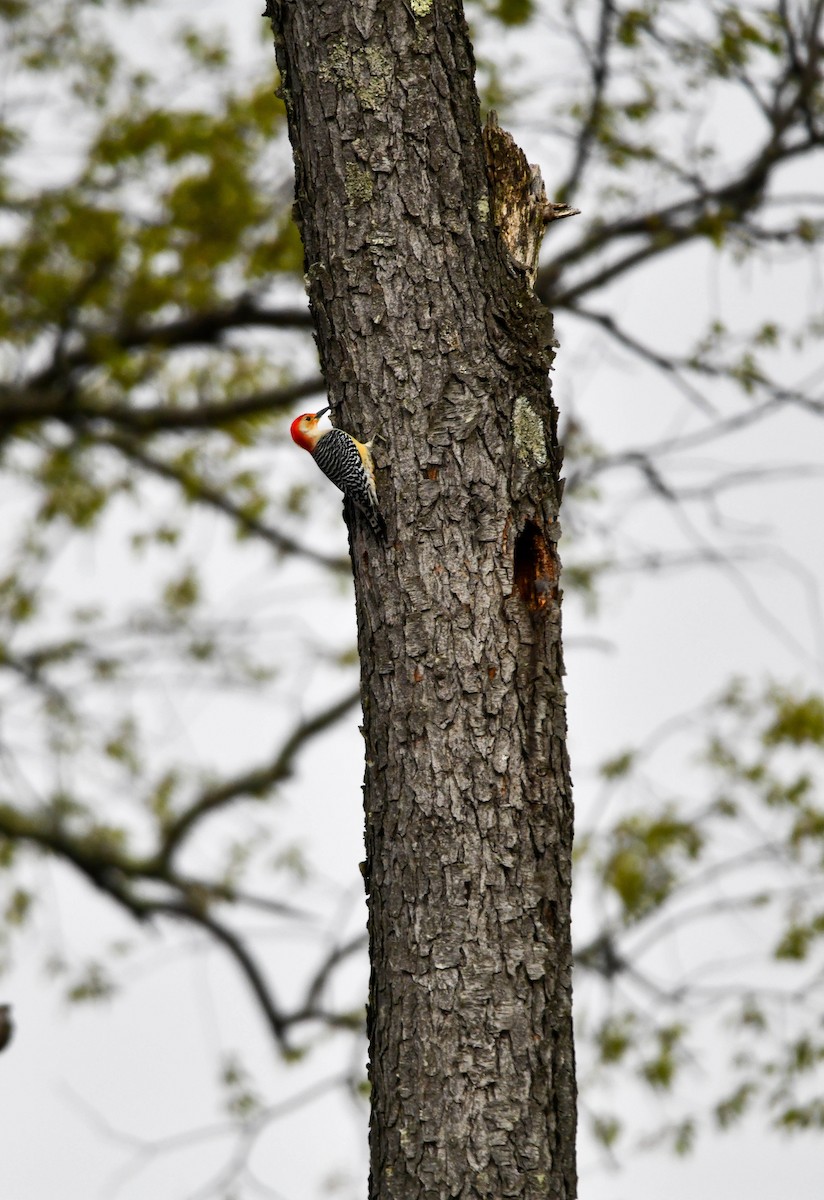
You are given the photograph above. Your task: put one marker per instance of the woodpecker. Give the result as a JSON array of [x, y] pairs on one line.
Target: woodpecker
[[344, 460]]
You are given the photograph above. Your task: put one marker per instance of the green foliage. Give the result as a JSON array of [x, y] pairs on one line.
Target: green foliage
[[606, 1130], [69, 490], [797, 940], [646, 858], [510, 12], [659, 1070], [18, 907], [162, 203], [124, 266], [615, 1036], [800, 1117], [615, 768], [92, 985], [797, 721], [684, 1137], [760, 821], [122, 745], [740, 37], [729, 1112], [242, 1099], [182, 593], [632, 24], [161, 797]]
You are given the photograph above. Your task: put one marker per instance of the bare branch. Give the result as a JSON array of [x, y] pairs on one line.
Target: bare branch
[[213, 497], [231, 942], [673, 225], [315, 990], [258, 781], [196, 329], [599, 66], [65, 403], [670, 366]]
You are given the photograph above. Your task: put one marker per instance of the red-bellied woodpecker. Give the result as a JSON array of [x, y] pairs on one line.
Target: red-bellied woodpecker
[[344, 460]]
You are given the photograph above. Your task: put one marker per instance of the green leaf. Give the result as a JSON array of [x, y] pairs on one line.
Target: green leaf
[[619, 766], [796, 722]]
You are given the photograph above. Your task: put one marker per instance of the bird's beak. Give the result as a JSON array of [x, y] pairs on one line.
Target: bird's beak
[[321, 411]]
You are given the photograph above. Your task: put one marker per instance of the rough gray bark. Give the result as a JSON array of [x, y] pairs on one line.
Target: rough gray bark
[[428, 333]]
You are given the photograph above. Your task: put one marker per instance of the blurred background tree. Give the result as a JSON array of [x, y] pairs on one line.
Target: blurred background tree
[[176, 635]]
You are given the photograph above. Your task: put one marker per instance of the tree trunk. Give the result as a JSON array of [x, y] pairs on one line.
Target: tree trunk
[[429, 335]]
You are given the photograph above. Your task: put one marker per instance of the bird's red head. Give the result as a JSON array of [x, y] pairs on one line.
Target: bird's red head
[[304, 429]]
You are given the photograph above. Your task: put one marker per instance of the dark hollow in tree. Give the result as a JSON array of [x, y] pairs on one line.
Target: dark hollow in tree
[[429, 335]]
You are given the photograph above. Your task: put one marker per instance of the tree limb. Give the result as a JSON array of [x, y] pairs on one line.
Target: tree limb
[[195, 329], [256, 782]]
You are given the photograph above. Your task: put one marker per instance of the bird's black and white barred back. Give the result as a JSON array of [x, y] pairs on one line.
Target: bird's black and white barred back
[[348, 463]]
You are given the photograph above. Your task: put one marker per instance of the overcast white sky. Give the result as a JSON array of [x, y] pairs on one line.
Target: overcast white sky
[[144, 1064]]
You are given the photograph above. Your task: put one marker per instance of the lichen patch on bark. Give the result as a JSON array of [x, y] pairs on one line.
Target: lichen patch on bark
[[359, 184], [528, 431]]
